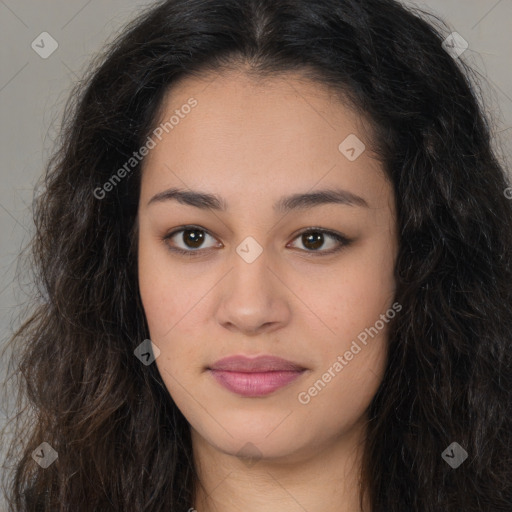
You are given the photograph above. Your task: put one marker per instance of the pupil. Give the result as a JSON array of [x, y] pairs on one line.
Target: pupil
[[310, 238], [195, 235]]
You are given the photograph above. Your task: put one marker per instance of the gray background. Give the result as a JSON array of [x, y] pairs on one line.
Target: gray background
[[33, 91]]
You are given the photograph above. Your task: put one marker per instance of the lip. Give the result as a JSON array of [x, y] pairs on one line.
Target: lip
[[263, 363], [255, 376]]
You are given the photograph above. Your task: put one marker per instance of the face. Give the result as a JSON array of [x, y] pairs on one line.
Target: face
[[251, 269]]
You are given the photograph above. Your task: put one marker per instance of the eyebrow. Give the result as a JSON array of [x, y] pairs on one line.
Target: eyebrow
[[299, 201]]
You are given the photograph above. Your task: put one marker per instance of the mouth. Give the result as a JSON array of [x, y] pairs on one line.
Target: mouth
[[253, 377]]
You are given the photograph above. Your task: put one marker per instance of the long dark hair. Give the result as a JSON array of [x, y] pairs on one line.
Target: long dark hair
[[122, 443]]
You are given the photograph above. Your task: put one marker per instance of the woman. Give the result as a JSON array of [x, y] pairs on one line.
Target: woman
[[273, 253]]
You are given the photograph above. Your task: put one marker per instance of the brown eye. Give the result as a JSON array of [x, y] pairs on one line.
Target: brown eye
[[314, 239], [188, 240], [193, 237], [191, 241]]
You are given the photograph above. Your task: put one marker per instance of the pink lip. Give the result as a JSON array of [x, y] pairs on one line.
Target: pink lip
[[256, 376]]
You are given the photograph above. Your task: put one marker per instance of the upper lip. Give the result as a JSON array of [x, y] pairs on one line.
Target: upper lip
[[264, 363]]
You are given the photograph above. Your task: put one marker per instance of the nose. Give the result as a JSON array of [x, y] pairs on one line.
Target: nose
[[254, 298]]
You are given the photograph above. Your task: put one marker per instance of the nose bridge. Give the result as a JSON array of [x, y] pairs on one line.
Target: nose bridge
[[252, 296], [250, 277]]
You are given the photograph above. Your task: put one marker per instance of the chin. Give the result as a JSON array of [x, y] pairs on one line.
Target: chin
[[263, 441]]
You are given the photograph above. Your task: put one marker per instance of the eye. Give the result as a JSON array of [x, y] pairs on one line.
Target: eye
[[192, 238], [314, 238]]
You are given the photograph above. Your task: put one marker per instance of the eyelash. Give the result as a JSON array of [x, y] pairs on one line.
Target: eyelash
[[197, 252]]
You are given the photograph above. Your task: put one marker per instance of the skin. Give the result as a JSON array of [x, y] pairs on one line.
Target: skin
[[252, 142]]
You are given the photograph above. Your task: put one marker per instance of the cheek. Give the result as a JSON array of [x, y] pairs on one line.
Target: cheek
[[352, 361], [354, 296], [352, 305], [172, 308], [163, 288], [156, 295]]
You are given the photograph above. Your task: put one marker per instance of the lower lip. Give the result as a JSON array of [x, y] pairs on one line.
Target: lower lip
[[255, 384]]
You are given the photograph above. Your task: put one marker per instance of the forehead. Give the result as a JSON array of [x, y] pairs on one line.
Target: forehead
[[258, 136]]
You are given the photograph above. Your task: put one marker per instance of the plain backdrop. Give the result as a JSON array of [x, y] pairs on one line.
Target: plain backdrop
[[33, 91]]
